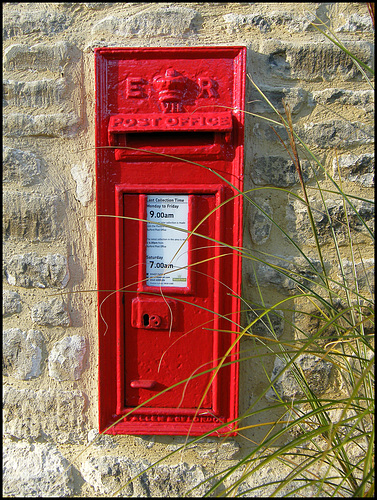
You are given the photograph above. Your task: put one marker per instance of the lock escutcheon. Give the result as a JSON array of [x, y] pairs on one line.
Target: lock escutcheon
[[154, 321]]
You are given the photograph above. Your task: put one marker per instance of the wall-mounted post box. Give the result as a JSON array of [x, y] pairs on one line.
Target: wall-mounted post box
[[169, 161]]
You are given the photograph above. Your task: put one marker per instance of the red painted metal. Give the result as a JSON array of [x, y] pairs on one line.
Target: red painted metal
[[169, 130]]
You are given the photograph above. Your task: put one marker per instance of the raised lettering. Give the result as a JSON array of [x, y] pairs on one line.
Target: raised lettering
[[207, 87], [135, 88]]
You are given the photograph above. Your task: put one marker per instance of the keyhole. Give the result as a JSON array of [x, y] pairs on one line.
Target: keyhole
[[146, 319]]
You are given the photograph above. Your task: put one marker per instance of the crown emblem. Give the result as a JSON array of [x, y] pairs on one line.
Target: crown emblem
[[170, 88]]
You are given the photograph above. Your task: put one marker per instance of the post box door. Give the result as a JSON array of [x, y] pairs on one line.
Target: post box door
[[170, 336]]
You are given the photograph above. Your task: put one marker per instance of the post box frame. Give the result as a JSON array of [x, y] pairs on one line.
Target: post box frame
[[112, 185]]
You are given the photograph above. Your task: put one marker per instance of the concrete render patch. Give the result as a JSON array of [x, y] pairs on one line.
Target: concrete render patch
[[30, 469], [84, 184]]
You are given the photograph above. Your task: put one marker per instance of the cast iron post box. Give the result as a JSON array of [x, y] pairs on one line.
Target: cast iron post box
[[169, 161]]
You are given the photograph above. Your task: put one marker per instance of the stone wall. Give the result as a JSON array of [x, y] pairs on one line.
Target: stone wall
[[49, 250]]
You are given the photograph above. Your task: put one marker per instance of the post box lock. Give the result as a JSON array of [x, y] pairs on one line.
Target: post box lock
[[169, 173], [153, 313]]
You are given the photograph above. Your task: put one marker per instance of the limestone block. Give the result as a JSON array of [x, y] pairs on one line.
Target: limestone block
[[336, 133], [361, 272], [51, 313], [277, 171], [11, 303], [325, 135], [355, 22], [22, 353], [66, 359], [84, 184], [355, 168], [49, 414], [36, 94], [35, 470], [18, 23], [316, 371], [217, 450], [270, 324], [30, 270], [292, 22], [51, 125], [260, 226], [296, 98], [43, 56], [263, 482], [20, 166], [173, 20], [236, 22], [363, 99], [314, 61], [331, 218], [106, 474], [286, 274], [29, 216]]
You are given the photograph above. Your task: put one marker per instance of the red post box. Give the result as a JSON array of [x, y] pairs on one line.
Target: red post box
[[169, 169]]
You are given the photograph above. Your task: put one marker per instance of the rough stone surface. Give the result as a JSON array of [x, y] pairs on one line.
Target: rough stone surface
[[270, 324], [277, 171], [20, 166], [327, 219], [66, 359], [17, 23], [260, 225], [317, 375], [259, 483], [355, 168], [166, 21], [11, 302], [324, 135], [314, 61], [22, 353], [30, 469], [30, 216], [36, 94], [336, 133], [107, 474], [355, 22], [50, 414], [265, 23], [363, 99], [364, 273], [41, 56], [51, 313], [286, 274], [84, 184], [51, 125], [295, 98], [30, 270]]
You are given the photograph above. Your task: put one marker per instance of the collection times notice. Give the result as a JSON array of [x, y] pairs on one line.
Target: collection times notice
[[167, 250]]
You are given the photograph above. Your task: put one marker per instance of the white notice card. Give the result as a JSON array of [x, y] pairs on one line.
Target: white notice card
[[164, 267]]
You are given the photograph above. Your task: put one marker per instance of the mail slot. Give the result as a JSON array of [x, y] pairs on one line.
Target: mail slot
[[169, 178]]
